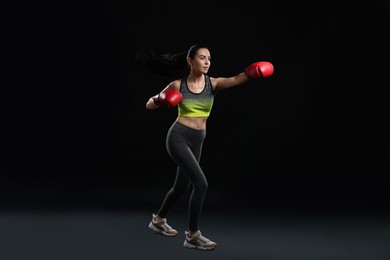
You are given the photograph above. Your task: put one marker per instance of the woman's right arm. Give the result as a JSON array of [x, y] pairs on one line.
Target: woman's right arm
[[152, 102]]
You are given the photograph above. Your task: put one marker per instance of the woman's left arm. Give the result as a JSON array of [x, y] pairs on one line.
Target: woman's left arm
[[257, 70], [224, 83]]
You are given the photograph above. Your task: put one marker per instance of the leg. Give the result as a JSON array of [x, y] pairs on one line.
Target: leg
[[184, 146], [180, 186], [190, 167]]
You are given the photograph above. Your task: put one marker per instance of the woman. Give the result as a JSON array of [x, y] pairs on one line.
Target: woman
[[192, 91]]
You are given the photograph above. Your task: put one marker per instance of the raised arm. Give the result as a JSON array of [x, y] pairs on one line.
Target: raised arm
[[257, 70]]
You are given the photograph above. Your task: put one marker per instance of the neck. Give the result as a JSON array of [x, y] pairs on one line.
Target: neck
[[196, 77]]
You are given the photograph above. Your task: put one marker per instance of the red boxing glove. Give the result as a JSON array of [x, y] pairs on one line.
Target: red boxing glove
[[258, 70], [169, 97]]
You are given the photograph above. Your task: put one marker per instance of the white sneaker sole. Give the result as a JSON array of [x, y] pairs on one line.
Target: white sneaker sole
[[188, 245], [152, 227]]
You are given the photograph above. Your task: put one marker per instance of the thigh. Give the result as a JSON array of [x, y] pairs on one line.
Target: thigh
[[184, 147]]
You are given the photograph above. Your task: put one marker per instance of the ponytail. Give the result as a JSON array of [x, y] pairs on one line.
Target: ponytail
[[169, 65]]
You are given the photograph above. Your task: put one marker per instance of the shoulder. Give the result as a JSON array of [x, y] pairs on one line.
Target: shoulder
[[214, 82], [174, 85]]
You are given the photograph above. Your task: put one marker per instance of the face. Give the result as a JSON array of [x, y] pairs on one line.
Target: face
[[201, 62]]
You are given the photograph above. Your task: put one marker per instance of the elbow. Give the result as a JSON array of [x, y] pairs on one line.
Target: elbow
[[150, 105], [147, 105]]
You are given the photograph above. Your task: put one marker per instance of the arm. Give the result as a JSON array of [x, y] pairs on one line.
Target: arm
[[151, 104], [257, 70], [169, 96], [224, 83]]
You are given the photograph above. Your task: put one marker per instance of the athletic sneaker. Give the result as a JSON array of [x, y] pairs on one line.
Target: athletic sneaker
[[162, 227], [197, 241]]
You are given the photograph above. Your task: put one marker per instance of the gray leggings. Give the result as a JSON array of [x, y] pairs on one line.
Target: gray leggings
[[184, 145]]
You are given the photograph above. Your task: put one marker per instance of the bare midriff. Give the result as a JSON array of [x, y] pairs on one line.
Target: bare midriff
[[198, 123]]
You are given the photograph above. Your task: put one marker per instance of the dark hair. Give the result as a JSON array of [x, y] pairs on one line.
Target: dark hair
[[168, 64]]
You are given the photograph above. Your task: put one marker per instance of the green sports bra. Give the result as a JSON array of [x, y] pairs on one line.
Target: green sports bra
[[196, 104]]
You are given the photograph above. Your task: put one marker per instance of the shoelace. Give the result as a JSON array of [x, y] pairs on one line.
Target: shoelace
[[203, 239], [164, 222]]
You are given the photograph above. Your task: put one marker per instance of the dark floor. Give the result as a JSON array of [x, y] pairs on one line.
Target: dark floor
[[109, 234]]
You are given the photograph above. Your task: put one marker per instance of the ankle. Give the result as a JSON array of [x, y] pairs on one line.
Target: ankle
[[157, 218], [191, 233]]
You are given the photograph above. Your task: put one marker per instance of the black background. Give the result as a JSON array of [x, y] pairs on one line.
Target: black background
[[76, 131]]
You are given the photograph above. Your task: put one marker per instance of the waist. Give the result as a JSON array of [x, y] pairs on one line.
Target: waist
[[197, 123]]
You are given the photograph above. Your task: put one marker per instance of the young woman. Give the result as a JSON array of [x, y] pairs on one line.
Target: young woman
[[192, 92]]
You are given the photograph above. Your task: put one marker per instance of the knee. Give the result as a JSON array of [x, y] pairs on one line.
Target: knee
[[179, 190], [201, 186]]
